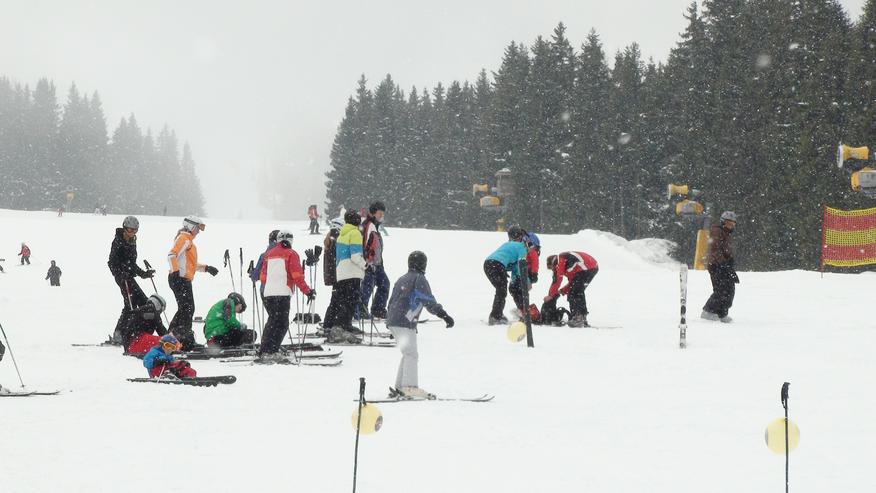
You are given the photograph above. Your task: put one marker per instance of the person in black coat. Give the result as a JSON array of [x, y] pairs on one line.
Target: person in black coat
[[123, 266], [54, 275]]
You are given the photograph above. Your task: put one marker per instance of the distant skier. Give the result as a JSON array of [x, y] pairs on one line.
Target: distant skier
[[722, 270], [257, 269], [503, 260], [281, 274], [54, 275], [313, 214], [329, 271], [375, 273], [350, 271], [24, 254], [580, 269], [123, 266], [410, 295], [183, 260], [60, 211], [222, 328], [1, 265], [533, 250], [159, 361], [144, 329]]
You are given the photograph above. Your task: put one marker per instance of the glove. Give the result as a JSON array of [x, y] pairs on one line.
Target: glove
[[309, 254], [449, 320], [211, 270], [148, 274], [533, 277], [311, 295]]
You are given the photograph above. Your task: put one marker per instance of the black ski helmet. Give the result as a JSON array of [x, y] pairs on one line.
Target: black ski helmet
[[272, 237], [377, 205], [353, 217], [516, 233], [237, 298], [417, 261]]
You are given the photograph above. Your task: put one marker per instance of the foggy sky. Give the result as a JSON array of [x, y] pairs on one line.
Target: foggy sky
[[267, 81]]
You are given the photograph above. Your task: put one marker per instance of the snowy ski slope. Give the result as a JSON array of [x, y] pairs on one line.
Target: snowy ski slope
[[615, 410]]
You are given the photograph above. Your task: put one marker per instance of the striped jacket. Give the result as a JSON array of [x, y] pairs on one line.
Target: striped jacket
[[348, 254], [183, 257]]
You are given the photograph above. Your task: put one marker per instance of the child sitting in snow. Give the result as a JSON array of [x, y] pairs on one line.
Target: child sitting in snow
[[159, 360], [222, 328], [144, 328]]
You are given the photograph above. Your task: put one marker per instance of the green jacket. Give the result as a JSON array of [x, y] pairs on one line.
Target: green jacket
[[221, 319]]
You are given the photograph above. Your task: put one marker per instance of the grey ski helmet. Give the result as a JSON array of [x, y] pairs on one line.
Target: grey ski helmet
[[131, 222], [728, 216], [417, 261], [157, 302]]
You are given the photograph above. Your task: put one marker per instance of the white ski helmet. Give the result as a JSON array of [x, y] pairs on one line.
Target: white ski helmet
[[285, 235], [192, 222]]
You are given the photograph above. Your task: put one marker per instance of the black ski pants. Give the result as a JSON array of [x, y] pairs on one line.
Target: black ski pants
[[331, 312], [723, 289], [347, 293], [497, 276], [234, 338], [277, 324], [577, 299], [132, 297], [181, 323]]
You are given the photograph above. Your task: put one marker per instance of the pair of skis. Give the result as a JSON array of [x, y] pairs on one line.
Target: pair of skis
[[193, 381], [4, 392]]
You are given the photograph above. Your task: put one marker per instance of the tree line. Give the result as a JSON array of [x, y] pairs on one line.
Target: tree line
[[748, 107], [47, 151]]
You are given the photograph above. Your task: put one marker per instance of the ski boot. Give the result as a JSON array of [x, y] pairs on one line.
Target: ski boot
[[726, 319], [707, 315], [578, 321], [501, 320], [338, 335], [415, 393]]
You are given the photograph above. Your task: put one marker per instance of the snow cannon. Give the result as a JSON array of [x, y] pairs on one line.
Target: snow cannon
[[686, 204], [372, 419], [673, 189], [775, 436], [864, 182], [689, 208], [517, 332], [845, 153]]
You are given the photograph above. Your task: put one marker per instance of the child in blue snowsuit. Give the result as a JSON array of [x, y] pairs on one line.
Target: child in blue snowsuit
[[160, 360]]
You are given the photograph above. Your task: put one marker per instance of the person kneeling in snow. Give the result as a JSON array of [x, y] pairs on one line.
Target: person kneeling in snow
[[222, 328], [139, 334], [410, 295], [159, 360], [580, 269]]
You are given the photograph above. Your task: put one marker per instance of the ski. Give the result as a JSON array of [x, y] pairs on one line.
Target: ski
[[194, 381], [366, 343], [4, 392], [253, 361], [682, 326], [307, 349], [482, 398]]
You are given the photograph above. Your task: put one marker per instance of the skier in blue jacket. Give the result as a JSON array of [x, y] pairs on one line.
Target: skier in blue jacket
[[410, 295], [256, 271], [497, 266]]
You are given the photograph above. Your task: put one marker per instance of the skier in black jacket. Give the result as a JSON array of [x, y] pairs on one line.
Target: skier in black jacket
[[123, 265]]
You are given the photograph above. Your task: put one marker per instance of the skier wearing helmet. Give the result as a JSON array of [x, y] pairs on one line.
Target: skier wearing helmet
[[123, 266], [722, 270], [145, 327], [183, 260], [533, 250], [222, 328], [159, 361]]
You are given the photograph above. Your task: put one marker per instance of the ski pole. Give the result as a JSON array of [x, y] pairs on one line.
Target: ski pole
[[787, 452], [358, 425], [227, 263], [241, 270], [255, 303], [149, 267], [9, 346]]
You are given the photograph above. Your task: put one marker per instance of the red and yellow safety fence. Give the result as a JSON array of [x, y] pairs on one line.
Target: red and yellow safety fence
[[849, 237]]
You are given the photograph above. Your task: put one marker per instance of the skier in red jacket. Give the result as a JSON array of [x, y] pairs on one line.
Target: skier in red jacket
[[580, 269], [313, 215], [25, 254]]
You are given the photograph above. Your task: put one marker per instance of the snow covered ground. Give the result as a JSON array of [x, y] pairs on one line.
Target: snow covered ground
[[614, 410]]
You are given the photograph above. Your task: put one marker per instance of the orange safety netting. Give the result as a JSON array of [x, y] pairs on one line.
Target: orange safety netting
[[849, 237]]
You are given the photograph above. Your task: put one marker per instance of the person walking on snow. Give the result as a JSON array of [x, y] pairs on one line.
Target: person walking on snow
[[159, 361], [313, 214], [123, 266], [54, 275], [375, 274], [145, 328], [281, 273], [533, 250], [349, 272], [24, 254], [410, 294], [580, 269], [722, 270], [183, 260], [222, 328], [496, 267]]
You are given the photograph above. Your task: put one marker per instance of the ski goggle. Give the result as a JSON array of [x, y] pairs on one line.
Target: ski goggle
[[171, 346]]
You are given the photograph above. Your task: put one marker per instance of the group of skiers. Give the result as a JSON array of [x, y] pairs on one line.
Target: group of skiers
[[53, 275]]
